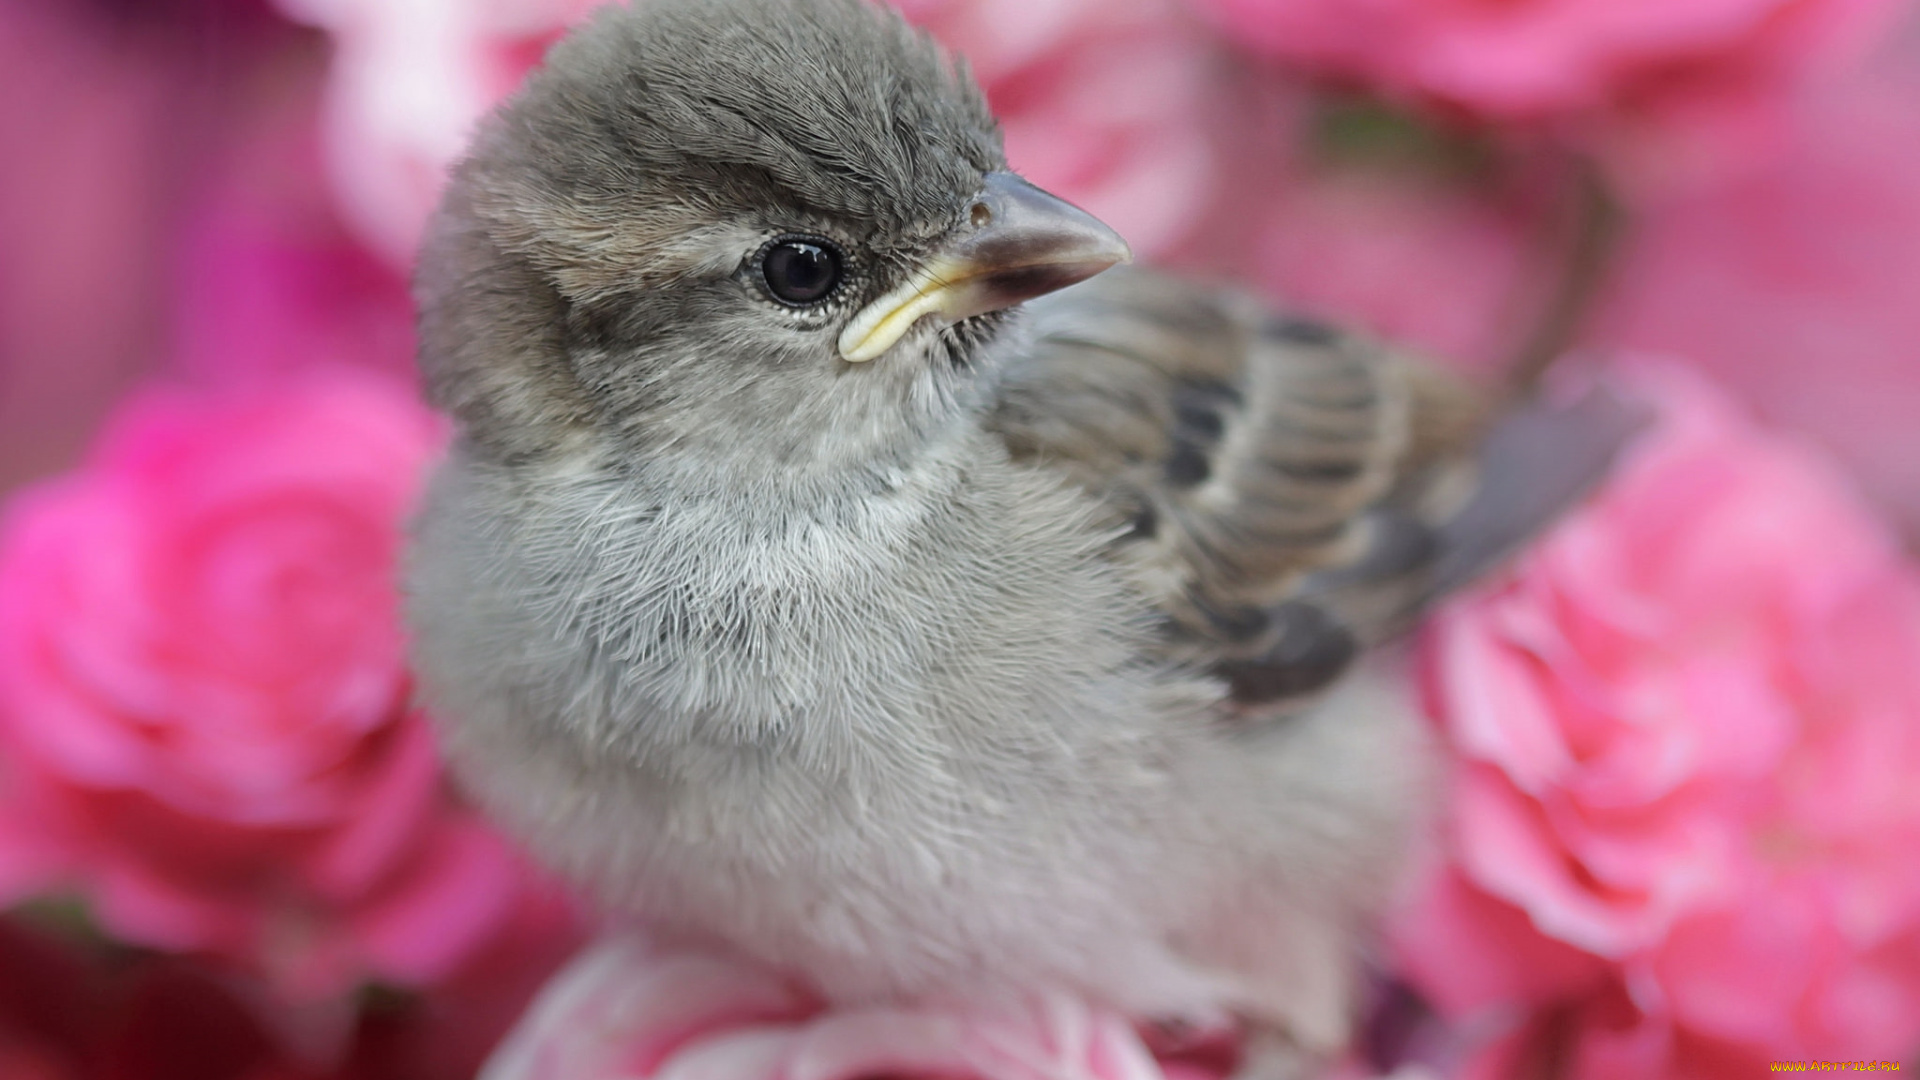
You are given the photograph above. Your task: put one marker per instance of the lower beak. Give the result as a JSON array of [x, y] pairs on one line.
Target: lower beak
[[1019, 243]]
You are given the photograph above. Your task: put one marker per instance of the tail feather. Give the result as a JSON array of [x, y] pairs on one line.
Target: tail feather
[[1539, 460]]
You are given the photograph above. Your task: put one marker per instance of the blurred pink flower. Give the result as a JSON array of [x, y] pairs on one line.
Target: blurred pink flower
[[168, 215], [1420, 262], [1686, 730], [261, 301], [204, 716], [1106, 103], [628, 1009], [267, 291], [408, 80], [1532, 59], [92, 121], [266, 277], [1795, 285]]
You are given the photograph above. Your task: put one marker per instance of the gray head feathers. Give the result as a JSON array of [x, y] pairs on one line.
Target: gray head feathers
[[830, 107], [584, 274]]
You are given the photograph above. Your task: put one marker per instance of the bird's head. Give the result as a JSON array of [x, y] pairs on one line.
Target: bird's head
[[762, 233]]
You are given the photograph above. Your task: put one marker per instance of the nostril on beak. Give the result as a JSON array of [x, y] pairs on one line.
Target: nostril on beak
[[981, 215]]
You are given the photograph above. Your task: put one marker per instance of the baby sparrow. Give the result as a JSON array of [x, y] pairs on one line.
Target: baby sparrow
[[794, 589]]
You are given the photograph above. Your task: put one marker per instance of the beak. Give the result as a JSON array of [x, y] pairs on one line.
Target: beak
[[1019, 243]]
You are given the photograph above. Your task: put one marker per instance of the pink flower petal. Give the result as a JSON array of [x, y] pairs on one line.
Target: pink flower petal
[[461, 884], [1682, 725]]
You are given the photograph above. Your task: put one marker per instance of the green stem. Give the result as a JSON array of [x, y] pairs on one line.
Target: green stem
[[1585, 252]]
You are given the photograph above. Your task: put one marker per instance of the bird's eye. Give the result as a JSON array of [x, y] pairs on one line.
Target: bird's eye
[[801, 271]]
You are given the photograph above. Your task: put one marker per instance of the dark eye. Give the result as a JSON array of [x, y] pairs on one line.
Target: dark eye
[[801, 272]]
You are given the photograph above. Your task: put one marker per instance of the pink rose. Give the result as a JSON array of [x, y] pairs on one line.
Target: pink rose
[[204, 709], [1684, 820], [629, 1009], [1531, 59]]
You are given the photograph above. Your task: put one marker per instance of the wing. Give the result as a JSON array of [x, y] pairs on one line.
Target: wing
[[1290, 493]]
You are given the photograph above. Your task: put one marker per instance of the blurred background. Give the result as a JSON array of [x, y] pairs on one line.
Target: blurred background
[[202, 200]]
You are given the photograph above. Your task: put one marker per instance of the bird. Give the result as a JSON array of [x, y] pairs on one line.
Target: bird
[[845, 559]]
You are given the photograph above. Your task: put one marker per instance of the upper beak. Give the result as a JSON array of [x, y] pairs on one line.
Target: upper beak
[[1019, 243]]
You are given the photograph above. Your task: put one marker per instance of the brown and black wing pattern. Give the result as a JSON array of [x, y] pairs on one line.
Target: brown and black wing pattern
[[1290, 492]]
